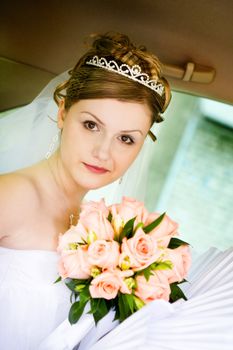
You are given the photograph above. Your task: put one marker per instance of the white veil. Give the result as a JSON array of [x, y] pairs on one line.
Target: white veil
[[26, 134], [203, 322]]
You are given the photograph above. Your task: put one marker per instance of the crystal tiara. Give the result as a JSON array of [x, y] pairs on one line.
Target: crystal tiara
[[135, 73]]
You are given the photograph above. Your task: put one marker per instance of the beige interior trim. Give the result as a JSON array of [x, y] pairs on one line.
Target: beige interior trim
[[191, 72]]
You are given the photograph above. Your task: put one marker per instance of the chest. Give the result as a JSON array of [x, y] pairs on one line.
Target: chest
[[40, 233]]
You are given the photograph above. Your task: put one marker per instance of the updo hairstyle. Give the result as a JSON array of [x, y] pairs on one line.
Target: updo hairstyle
[[90, 82]]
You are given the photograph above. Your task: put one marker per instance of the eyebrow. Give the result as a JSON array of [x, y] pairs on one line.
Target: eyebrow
[[100, 121]]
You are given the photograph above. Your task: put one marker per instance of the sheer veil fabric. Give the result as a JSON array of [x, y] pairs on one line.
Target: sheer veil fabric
[[26, 135], [204, 322]]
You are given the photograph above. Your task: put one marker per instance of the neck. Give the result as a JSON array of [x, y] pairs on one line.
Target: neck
[[65, 188]]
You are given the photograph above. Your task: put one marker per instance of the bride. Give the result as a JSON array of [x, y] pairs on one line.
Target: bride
[[106, 109]]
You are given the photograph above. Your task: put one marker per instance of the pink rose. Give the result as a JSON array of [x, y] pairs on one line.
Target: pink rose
[[181, 260], [70, 239], [104, 254], [108, 283], [74, 264], [141, 250], [157, 287], [93, 217], [126, 210], [122, 276], [164, 231], [91, 206], [95, 221]]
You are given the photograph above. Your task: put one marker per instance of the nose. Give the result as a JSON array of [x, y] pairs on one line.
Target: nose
[[102, 150]]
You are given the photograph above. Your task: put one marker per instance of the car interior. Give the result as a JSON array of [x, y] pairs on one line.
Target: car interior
[[191, 165]]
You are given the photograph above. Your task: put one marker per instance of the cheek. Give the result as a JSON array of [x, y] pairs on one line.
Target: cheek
[[74, 141], [125, 158]]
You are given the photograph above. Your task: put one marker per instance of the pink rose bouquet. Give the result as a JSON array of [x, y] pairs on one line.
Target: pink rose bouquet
[[121, 257]]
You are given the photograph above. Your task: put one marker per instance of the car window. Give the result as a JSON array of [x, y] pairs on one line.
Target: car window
[[191, 171]]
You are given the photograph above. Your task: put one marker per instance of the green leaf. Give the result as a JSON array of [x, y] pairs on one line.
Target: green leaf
[[126, 306], [76, 311], [117, 311], [110, 217], [138, 303], [73, 283], [127, 230], [122, 309], [73, 297], [183, 281], [77, 307], [129, 299], [176, 242], [147, 272], [176, 293], [98, 308], [140, 224], [153, 224], [84, 295], [162, 265], [58, 279]]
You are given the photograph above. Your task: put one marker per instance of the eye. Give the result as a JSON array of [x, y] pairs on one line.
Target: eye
[[127, 139], [90, 125]]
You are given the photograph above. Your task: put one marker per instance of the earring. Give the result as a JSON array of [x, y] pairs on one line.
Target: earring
[[52, 145], [73, 219], [120, 180]]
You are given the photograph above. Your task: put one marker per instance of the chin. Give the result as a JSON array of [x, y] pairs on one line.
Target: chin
[[91, 185], [95, 184]]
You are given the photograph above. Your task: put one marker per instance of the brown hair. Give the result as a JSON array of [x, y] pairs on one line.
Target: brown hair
[[89, 82]]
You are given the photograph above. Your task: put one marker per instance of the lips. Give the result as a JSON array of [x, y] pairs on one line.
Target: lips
[[95, 169]]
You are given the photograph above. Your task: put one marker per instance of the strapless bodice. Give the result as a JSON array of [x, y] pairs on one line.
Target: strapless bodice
[[31, 304], [28, 265]]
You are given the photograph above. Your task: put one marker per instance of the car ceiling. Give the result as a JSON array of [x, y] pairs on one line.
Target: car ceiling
[[40, 39]]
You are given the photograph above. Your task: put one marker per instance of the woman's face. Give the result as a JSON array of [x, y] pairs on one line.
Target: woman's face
[[101, 138]]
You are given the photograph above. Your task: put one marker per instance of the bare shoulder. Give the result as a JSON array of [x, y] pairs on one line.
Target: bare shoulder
[[18, 197]]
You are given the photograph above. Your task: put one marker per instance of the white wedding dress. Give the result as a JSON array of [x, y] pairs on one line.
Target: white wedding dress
[[31, 305], [33, 310]]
